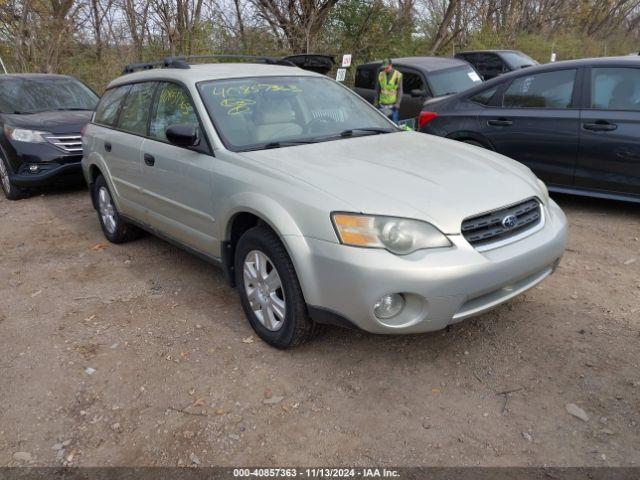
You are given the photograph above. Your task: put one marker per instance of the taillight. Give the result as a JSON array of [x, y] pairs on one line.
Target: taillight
[[426, 117]]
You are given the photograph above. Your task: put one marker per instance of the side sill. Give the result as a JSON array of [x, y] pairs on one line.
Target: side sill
[[197, 253]]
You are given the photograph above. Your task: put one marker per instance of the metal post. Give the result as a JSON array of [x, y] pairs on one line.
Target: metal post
[[4, 69]]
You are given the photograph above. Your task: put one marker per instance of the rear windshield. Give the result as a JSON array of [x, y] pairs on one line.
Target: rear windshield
[[518, 60], [33, 95], [453, 80]]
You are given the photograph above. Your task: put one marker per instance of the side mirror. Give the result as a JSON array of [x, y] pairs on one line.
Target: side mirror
[[183, 135], [418, 93]]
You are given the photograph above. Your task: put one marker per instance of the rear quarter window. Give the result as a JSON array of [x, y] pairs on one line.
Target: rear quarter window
[[484, 97], [109, 107], [365, 78]]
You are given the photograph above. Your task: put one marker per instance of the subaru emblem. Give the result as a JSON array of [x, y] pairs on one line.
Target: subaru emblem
[[509, 221]]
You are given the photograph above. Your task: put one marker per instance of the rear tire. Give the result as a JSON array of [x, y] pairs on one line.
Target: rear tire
[[11, 191], [269, 290], [113, 226]]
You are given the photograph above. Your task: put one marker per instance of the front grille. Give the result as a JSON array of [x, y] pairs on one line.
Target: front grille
[[490, 227], [70, 143]]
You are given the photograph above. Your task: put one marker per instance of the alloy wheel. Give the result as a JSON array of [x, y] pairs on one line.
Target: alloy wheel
[[263, 287], [107, 210]]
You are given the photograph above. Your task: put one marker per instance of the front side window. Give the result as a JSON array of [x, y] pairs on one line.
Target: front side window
[[255, 112], [453, 80], [541, 90], [173, 107], [411, 81], [615, 88], [109, 106], [135, 111], [43, 94]]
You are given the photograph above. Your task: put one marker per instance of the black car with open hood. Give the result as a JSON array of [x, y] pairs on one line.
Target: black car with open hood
[[41, 118]]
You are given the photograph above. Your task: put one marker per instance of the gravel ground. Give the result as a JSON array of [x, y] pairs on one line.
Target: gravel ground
[[139, 354]]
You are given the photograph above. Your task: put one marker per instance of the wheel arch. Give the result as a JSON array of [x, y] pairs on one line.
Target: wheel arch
[[250, 210]]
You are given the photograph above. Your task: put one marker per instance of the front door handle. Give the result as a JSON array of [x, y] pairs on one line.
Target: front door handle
[[600, 126], [149, 159], [107, 146], [500, 122]]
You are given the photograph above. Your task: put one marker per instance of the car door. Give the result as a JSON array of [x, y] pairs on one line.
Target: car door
[[535, 120], [177, 181], [411, 105], [125, 146], [365, 82], [119, 150], [609, 156]]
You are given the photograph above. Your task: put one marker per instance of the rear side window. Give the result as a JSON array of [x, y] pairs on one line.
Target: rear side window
[[542, 90], [365, 78], [485, 96], [109, 106], [135, 111], [489, 64], [615, 88], [173, 107], [411, 81]]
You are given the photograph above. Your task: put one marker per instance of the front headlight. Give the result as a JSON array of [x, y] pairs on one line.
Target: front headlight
[[545, 191], [25, 135], [398, 235]]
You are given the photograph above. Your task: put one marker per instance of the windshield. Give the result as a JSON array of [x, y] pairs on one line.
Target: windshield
[[33, 95], [268, 112], [453, 80], [518, 60]]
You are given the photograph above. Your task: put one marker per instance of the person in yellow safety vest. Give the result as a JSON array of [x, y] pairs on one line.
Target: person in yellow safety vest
[[389, 91]]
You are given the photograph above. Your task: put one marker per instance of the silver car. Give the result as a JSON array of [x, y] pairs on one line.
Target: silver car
[[317, 208]]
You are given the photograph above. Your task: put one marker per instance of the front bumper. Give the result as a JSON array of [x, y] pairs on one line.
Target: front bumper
[[46, 174], [440, 287]]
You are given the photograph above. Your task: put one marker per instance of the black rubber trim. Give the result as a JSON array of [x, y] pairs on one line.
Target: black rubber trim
[[329, 317], [36, 179]]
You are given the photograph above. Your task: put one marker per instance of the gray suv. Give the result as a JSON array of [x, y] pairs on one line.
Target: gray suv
[[318, 208]]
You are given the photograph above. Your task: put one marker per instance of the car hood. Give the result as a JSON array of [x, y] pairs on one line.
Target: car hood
[[53, 122], [407, 174]]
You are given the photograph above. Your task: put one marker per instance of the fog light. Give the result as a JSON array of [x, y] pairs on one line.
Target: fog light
[[33, 168], [388, 306]]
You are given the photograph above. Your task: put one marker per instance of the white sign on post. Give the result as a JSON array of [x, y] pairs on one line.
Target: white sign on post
[[346, 60], [341, 74]]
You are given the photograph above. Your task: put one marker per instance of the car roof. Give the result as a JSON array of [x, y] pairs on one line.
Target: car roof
[[491, 51], [33, 76], [427, 64], [212, 71], [550, 67]]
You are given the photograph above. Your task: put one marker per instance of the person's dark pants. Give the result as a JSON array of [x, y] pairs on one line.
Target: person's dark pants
[[392, 113]]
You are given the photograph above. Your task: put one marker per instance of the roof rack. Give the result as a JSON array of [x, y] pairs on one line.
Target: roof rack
[[183, 62]]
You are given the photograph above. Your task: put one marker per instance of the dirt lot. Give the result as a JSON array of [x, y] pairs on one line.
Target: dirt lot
[[140, 355]]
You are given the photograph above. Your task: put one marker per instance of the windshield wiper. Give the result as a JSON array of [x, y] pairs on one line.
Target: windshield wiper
[[285, 143], [372, 130], [71, 109]]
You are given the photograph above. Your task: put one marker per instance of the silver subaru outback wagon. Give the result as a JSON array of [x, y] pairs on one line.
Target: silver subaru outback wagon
[[318, 208]]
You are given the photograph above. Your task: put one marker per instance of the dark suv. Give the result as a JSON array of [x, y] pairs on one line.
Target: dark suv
[[41, 117]]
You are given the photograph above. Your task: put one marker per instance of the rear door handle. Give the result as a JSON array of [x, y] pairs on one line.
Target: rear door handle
[[107, 146], [500, 122], [149, 159], [600, 126]]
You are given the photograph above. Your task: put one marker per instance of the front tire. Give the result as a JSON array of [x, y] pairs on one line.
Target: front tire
[[10, 190], [269, 290], [113, 226]]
